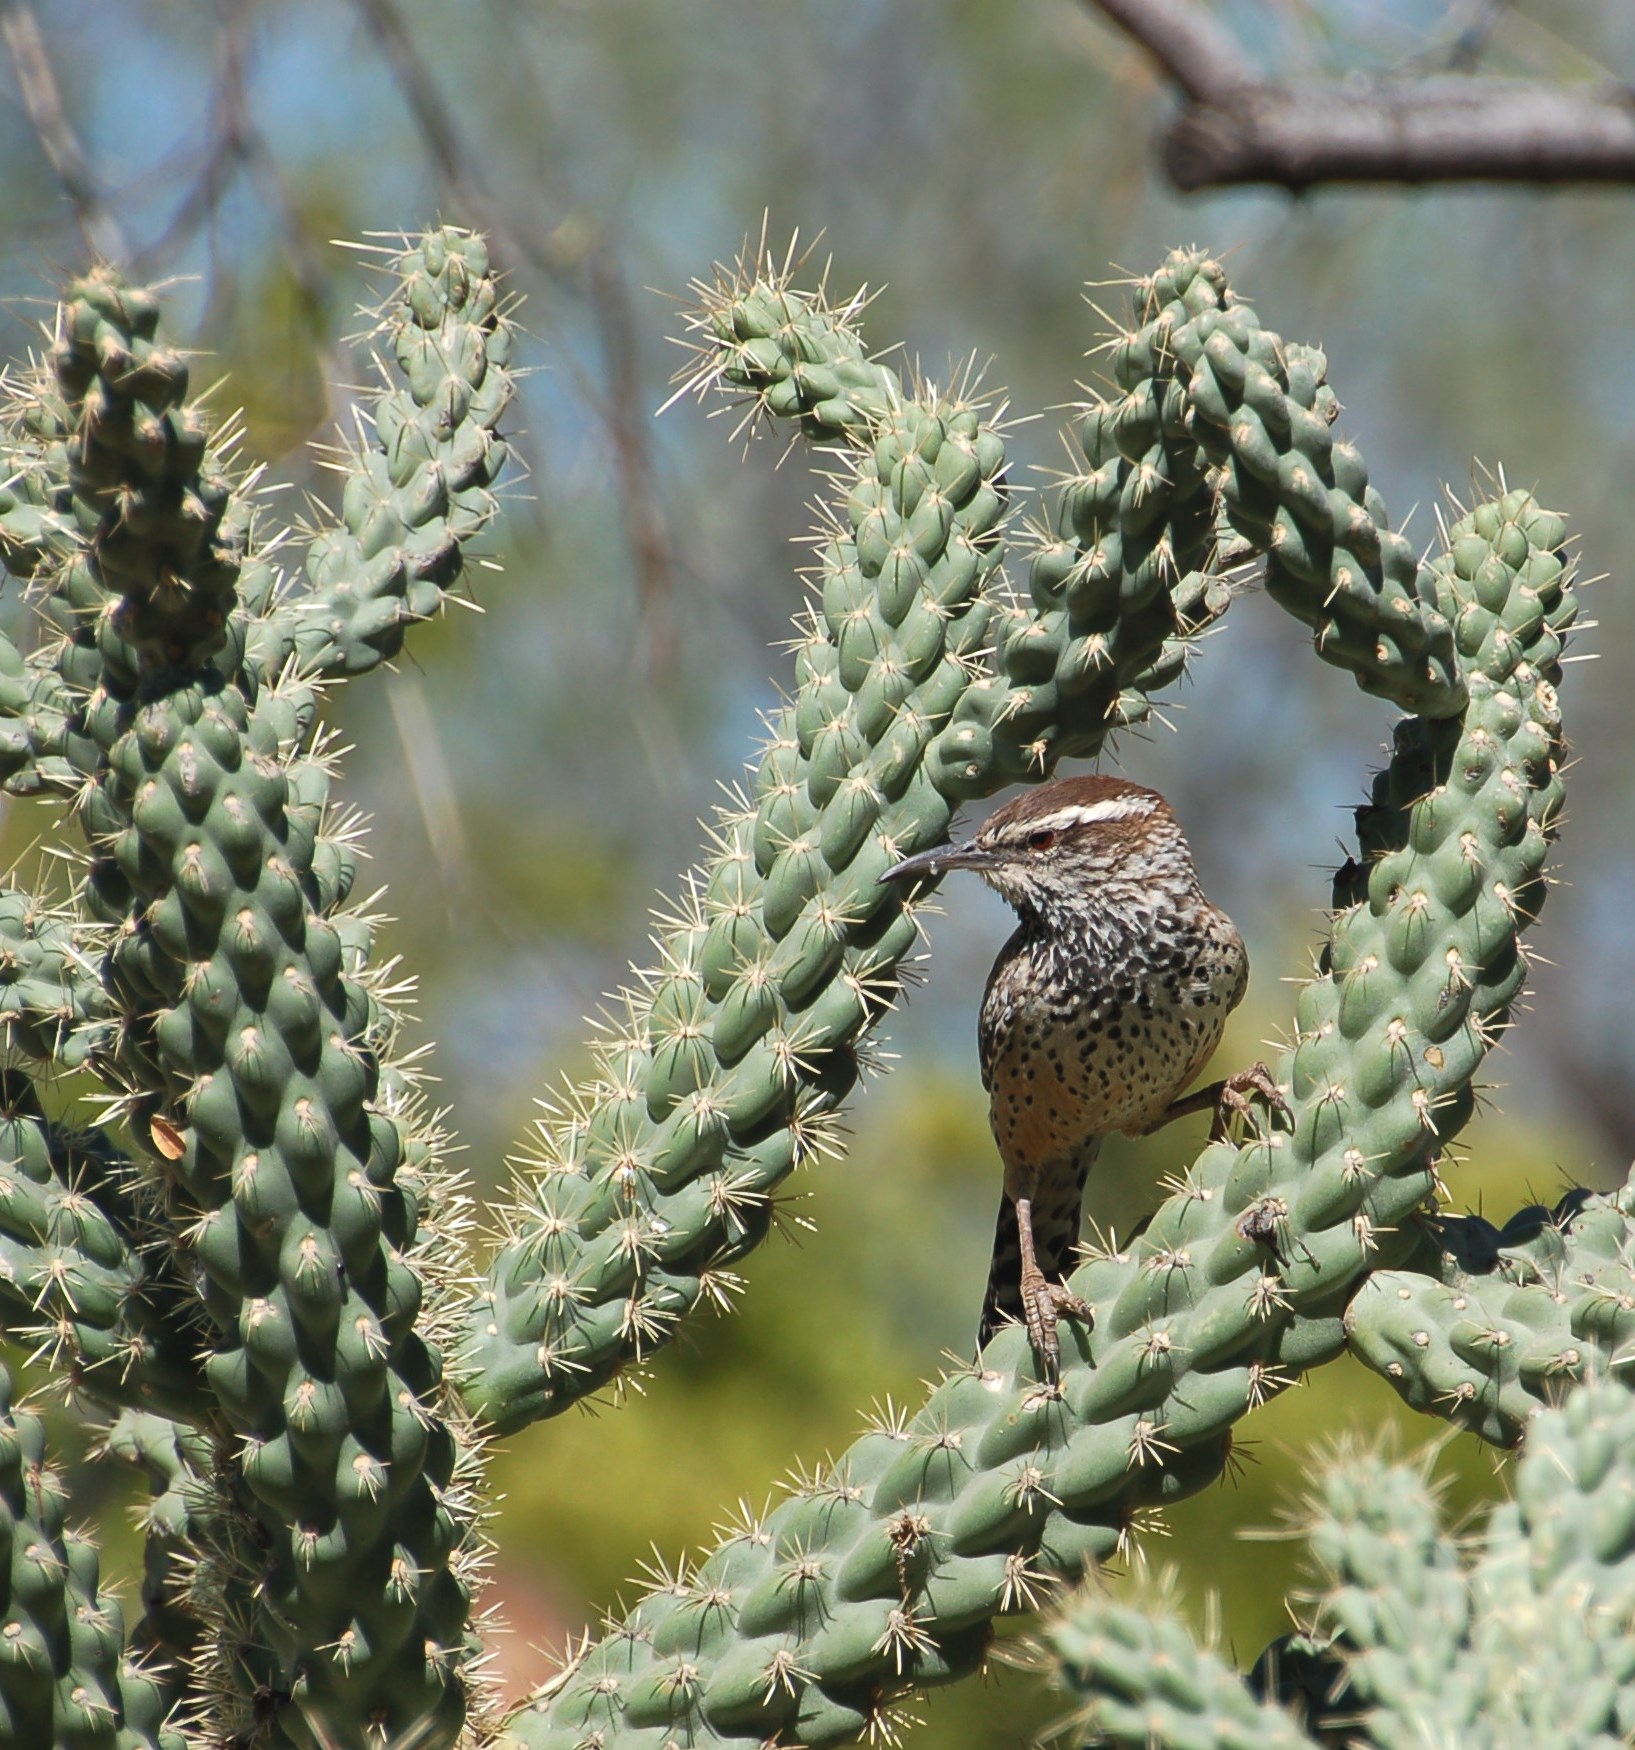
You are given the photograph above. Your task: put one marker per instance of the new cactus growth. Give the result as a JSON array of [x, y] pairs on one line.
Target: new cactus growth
[[235, 1263]]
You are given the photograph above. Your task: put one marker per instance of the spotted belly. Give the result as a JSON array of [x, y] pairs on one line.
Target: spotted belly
[[1060, 1073]]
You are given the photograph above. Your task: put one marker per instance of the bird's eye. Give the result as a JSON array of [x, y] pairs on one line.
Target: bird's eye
[[1043, 839]]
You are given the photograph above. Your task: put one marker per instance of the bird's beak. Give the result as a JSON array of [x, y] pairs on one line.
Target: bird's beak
[[933, 864]]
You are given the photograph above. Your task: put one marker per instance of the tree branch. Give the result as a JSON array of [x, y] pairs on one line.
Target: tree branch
[[1239, 128], [625, 423], [42, 103]]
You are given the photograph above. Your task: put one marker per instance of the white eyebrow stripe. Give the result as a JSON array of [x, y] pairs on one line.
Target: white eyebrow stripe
[[1083, 813]]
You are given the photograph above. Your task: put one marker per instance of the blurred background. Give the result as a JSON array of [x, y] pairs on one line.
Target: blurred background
[[535, 776]]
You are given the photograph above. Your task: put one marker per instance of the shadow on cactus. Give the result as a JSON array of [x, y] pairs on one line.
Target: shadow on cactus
[[253, 1260]]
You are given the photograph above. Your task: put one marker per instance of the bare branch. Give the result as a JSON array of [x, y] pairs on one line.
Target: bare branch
[[1237, 128], [42, 102], [1447, 129], [623, 420], [1190, 47], [432, 116]]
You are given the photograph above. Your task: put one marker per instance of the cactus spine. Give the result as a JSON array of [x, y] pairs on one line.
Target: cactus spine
[[252, 1057], [1414, 1642], [248, 1281]]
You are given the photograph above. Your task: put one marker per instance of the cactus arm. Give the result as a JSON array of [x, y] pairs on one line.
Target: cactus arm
[[1525, 1644], [1122, 584], [732, 1056], [177, 1464], [885, 1575], [1262, 412], [253, 1054], [1142, 1681], [1508, 1317], [422, 487], [1395, 1597], [1523, 1641], [84, 1277], [64, 1676], [1120, 589], [41, 529], [1554, 1585], [52, 1005]]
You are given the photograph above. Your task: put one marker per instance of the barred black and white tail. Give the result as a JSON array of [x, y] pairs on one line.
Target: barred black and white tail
[[1056, 1216]]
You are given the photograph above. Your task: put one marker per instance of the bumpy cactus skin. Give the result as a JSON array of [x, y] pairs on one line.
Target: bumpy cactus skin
[[1145, 1683], [83, 1278], [226, 997], [1503, 1320], [1525, 1644], [64, 1675], [885, 1574], [177, 1464]]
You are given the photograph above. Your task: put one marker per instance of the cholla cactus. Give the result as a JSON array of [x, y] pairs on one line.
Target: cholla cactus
[[1415, 1638], [235, 1263]]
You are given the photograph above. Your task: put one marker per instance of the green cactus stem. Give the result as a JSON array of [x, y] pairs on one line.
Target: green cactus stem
[[65, 1677], [1523, 1642], [1504, 1319], [236, 1016], [178, 1465], [85, 1276], [1142, 1681]]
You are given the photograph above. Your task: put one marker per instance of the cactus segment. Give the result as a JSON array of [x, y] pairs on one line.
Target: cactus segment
[[1142, 1681], [1527, 1643], [1123, 583], [177, 1464], [728, 1060], [236, 1014], [1506, 1319], [422, 489], [64, 1674], [151, 492], [52, 1006], [882, 1576], [84, 1274], [1524, 1641], [731, 1055]]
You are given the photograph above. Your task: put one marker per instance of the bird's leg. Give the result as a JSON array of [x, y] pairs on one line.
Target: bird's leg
[[1043, 1302], [1225, 1099]]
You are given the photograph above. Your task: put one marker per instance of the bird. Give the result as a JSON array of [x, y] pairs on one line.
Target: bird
[[1101, 1009]]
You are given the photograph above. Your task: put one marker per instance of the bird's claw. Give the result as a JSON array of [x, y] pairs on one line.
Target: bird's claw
[[1236, 1093], [1044, 1305]]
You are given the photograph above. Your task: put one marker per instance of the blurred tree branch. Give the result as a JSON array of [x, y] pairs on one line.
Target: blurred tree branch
[[235, 146], [1237, 126], [623, 418], [42, 103]]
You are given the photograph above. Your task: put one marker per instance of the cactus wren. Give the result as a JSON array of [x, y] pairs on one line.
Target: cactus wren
[[1106, 1002]]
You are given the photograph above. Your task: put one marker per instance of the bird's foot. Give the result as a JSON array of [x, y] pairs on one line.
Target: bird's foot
[[1044, 1305], [1236, 1093]]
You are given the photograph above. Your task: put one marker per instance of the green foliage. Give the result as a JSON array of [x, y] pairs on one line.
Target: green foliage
[[265, 1280]]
